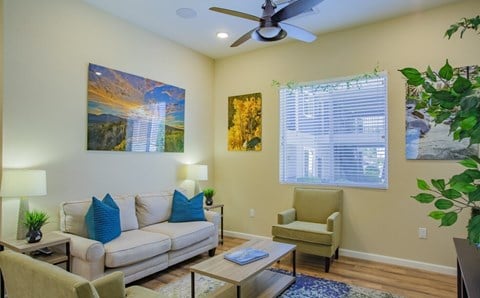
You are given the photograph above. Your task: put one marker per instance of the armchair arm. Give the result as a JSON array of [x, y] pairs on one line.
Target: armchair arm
[[110, 285], [286, 216], [333, 222], [334, 225], [86, 249]]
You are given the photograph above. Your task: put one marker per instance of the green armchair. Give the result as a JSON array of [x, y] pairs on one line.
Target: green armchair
[[25, 277], [314, 223]]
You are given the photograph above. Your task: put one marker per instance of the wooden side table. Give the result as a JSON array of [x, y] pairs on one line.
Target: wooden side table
[[48, 240], [214, 206], [468, 273]]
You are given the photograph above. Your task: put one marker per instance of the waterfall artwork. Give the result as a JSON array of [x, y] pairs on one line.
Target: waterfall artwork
[[426, 139], [131, 113]]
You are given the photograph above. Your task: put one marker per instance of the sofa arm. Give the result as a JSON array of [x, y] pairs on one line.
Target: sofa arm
[[213, 217], [86, 249], [110, 285], [286, 216]]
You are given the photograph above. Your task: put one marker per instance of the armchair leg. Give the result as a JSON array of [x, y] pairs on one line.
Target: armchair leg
[[336, 254], [327, 264]]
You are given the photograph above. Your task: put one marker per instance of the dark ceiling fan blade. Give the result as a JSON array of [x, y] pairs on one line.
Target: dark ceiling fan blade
[[298, 33], [294, 9], [244, 38], [236, 13]]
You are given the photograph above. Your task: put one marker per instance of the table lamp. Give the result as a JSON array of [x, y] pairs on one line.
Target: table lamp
[[196, 173], [23, 183]]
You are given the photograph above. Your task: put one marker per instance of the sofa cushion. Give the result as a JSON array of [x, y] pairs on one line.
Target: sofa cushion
[[72, 215], [134, 246], [153, 208], [128, 216], [183, 234], [304, 231], [103, 219], [184, 209]]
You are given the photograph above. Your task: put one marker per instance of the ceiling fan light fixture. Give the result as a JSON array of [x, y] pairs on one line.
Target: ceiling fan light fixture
[[269, 32]]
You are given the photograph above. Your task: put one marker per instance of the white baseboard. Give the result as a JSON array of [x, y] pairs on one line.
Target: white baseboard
[[368, 256]]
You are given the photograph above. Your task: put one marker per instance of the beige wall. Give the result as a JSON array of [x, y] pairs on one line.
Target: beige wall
[[1, 96], [48, 45], [383, 222]]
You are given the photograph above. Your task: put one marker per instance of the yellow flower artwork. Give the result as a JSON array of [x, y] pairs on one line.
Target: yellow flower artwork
[[245, 122]]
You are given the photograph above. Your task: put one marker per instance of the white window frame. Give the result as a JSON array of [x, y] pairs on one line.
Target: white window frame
[[335, 132]]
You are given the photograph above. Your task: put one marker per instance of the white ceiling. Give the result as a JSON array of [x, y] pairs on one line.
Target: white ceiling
[[199, 33]]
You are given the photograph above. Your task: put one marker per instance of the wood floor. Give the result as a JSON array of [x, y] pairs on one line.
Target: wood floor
[[394, 279]]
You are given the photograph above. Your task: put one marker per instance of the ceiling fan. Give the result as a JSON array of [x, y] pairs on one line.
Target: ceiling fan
[[271, 26]]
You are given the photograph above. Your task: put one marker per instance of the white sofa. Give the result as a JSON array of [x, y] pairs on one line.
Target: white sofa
[[147, 244]]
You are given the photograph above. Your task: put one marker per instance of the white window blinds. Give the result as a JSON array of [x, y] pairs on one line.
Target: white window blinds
[[335, 133]]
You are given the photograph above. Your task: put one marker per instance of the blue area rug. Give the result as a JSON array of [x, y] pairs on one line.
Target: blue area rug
[[305, 286]]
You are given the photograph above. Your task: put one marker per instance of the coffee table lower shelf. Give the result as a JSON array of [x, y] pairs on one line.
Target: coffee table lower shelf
[[265, 284]]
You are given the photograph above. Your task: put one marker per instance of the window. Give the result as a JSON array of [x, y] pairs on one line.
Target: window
[[335, 133]]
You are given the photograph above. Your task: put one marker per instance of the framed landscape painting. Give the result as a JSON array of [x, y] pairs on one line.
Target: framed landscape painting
[[426, 139], [245, 122], [131, 113]]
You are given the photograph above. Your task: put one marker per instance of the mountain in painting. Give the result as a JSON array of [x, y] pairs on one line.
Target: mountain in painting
[[106, 132]]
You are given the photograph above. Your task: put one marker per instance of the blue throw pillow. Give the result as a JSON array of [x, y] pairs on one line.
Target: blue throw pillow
[[184, 209], [103, 219]]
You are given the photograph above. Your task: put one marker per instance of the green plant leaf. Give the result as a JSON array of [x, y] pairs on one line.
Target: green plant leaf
[[422, 184], [474, 196], [431, 75], [424, 198], [469, 103], [414, 77], [460, 178], [464, 187], [442, 116], [474, 174], [437, 214], [462, 85], [449, 219], [451, 194], [475, 136], [468, 123], [446, 72], [469, 163], [473, 229], [428, 87], [453, 28], [439, 184], [443, 204]]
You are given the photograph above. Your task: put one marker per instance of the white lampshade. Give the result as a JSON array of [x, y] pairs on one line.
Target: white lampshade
[[196, 172], [23, 183]]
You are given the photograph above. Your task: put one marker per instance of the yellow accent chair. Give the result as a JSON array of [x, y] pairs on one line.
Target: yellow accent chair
[[25, 277], [314, 223]]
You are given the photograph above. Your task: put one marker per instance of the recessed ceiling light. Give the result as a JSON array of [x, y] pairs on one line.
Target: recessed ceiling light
[[222, 35], [186, 13]]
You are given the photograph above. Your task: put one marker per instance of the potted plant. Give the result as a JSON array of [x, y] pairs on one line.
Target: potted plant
[[209, 193], [452, 98], [34, 220]]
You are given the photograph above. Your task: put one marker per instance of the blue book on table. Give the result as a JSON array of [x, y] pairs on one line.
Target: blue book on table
[[246, 255]]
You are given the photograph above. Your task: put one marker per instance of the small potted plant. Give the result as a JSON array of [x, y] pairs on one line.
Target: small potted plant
[[209, 193], [34, 220]]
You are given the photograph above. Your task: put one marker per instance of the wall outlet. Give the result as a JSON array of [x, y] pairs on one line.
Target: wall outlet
[[422, 233], [251, 213]]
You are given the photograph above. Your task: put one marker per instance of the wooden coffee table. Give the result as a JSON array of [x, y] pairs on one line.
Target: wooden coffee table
[[250, 280]]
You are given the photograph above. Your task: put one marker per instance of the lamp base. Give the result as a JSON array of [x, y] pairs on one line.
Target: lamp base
[[22, 209]]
